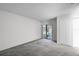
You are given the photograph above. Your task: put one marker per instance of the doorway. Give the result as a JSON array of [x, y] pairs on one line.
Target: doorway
[[49, 30]]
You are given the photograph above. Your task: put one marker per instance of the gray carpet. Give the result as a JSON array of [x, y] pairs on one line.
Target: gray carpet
[[41, 47]]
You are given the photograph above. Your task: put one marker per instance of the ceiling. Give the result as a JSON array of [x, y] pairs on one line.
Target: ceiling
[[39, 11]]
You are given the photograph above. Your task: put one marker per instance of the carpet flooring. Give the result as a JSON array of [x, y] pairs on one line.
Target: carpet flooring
[[42, 47]]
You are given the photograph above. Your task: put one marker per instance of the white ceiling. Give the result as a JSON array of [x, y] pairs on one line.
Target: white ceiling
[[39, 11]]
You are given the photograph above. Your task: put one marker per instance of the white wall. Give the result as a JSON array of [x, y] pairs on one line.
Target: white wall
[[68, 28], [64, 30], [75, 18], [16, 30], [76, 32]]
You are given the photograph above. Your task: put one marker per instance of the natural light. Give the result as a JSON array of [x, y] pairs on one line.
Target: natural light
[[76, 32]]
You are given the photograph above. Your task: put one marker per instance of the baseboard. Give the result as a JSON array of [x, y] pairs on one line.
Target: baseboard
[[19, 45]]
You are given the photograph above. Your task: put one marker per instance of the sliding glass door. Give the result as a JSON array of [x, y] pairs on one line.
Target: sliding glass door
[[46, 31]]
